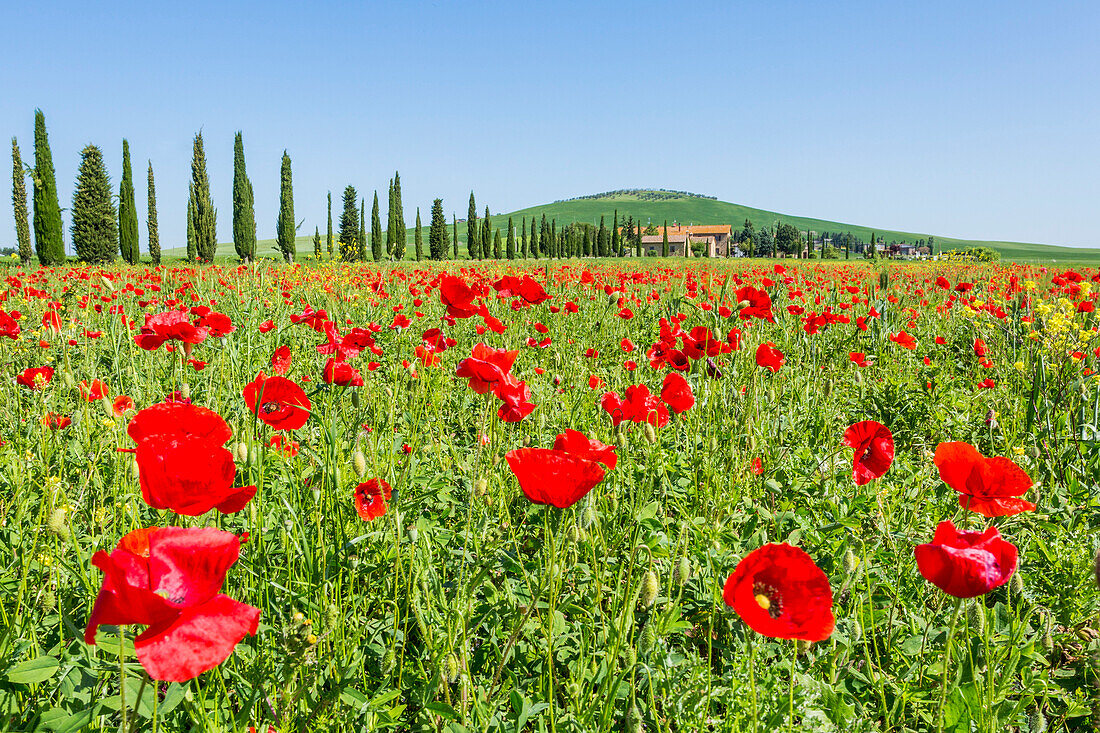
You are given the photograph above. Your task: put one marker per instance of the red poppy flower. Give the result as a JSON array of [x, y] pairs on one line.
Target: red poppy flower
[[97, 390], [8, 326], [371, 498], [458, 298], [980, 349], [216, 324], [280, 361], [874, 450], [904, 340], [637, 405], [754, 303], [179, 418], [35, 378], [677, 394], [188, 475], [169, 326], [342, 374], [55, 421], [779, 592], [757, 466], [277, 401], [51, 320], [966, 564], [769, 357], [577, 443], [266, 326], [170, 579], [553, 477], [288, 447], [122, 405], [988, 486], [486, 367], [858, 358]]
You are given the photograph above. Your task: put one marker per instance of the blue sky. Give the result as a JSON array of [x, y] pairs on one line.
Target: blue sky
[[969, 119]]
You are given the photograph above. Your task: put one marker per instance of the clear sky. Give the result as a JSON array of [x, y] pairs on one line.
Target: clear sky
[[969, 119]]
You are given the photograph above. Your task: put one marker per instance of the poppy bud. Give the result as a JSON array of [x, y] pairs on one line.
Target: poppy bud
[[108, 407], [355, 398], [588, 518], [332, 615], [57, 524], [650, 586], [253, 455], [185, 391], [646, 640], [859, 377], [134, 470], [630, 657], [634, 723], [337, 475], [480, 487], [1036, 723], [388, 660], [1016, 584], [975, 617], [240, 452], [48, 600], [857, 630], [412, 533], [1048, 636], [451, 669], [850, 561], [573, 534], [741, 305], [389, 393], [803, 647], [67, 379], [650, 434], [497, 458], [360, 462], [526, 441], [683, 571]]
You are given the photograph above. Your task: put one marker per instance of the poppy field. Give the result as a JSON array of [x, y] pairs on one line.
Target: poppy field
[[711, 496]]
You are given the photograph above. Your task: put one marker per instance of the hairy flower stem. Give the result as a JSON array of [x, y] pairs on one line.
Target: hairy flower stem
[[946, 662]]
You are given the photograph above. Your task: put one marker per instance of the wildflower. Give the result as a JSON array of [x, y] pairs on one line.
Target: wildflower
[[277, 401], [371, 497], [874, 450], [779, 592], [769, 357], [988, 486], [554, 477], [966, 564]]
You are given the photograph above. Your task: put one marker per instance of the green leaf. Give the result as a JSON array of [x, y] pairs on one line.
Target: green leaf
[[443, 710], [32, 671]]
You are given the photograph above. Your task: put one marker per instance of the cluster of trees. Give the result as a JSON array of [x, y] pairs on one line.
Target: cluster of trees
[[647, 194]]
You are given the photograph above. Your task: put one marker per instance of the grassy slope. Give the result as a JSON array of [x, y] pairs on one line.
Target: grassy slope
[[707, 211]]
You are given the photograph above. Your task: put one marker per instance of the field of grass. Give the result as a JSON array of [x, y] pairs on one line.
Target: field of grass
[[424, 546]]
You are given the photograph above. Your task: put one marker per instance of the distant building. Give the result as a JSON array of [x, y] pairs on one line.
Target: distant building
[[652, 244], [716, 237]]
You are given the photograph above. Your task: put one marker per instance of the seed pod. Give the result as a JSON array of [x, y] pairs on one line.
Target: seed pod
[[859, 377], [975, 617], [481, 485], [646, 640], [850, 561], [650, 434], [108, 407], [412, 533], [588, 517], [683, 570], [57, 524], [650, 587], [630, 657], [185, 391], [857, 630], [332, 615], [1016, 584], [360, 462], [451, 668], [634, 722], [355, 398], [67, 379], [134, 470], [573, 534], [389, 393], [1036, 723], [240, 452]]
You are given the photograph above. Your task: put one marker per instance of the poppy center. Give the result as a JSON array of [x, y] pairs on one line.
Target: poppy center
[[768, 598]]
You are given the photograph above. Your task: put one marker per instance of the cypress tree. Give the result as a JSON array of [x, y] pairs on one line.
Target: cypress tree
[[244, 210], [94, 219], [418, 239], [511, 248], [328, 237], [601, 239], [349, 226], [497, 254], [192, 247], [586, 243], [154, 234], [376, 231], [554, 248], [317, 242], [664, 240], [390, 231], [454, 230], [486, 234], [203, 214], [544, 237], [437, 232], [127, 210], [400, 236], [874, 254], [49, 243], [19, 204], [473, 242], [523, 242], [616, 238], [284, 224], [533, 245], [361, 255]]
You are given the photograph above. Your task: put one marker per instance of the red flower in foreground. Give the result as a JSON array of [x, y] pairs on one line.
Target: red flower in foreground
[[516, 398], [342, 374], [371, 497], [280, 361], [769, 357], [874, 450], [677, 394], [486, 367], [577, 443], [637, 405], [458, 298], [858, 358], [8, 326], [170, 579], [97, 390], [277, 401], [966, 564], [169, 326], [779, 592], [554, 477], [35, 378], [988, 486]]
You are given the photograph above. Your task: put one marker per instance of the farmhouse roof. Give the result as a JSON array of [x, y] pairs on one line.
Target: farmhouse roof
[[657, 238]]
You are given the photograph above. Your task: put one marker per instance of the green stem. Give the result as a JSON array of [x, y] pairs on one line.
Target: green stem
[[946, 662], [122, 676]]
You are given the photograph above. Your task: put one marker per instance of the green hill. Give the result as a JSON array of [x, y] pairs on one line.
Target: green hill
[[674, 206]]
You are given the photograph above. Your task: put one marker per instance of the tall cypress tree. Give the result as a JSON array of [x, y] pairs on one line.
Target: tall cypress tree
[[511, 248], [638, 241], [454, 231], [19, 204], [317, 242], [586, 243], [523, 242], [127, 210], [874, 254], [390, 231], [497, 254], [533, 245], [615, 236], [49, 244], [418, 238], [362, 255], [473, 241], [284, 224], [555, 250], [664, 239], [601, 239], [349, 226], [328, 237], [154, 233], [192, 239], [486, 234], [203, 214], [94, 219], [376, 231], [437, 232], [244, 210], [400, 236]]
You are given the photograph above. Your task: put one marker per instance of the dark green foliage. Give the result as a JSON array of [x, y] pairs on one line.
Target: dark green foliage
[[328, 237], [602, 244], [454, 230], [533, 247], [664, 240], [523, 242], [497, 254], [397, 220], [763, 244], [203, 215], [375, 231], [437, 232], [473, 242], [486, 235], [788, 239], [154, 233], [418, 238], [511, 248], [317, 242], [544, 236], [362, 230], [192, 246], [586, 243], [616, 238], [127, 211], [49, 244], [19, 204], [554, 238], [95, 223], [244, 210], [285, 229], [873, 254], [349, 226]]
